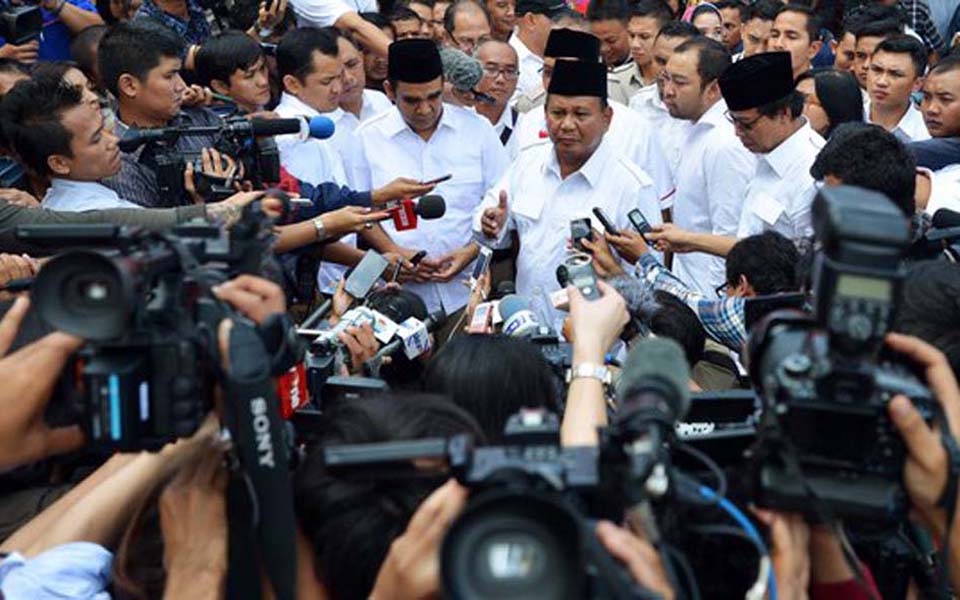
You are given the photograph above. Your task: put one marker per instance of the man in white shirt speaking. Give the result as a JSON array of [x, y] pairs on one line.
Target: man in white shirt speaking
[[550, 185], [424, 138]]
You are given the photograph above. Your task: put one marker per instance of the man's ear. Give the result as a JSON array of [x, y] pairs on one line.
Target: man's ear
[[814, 49], [389, 91], [128, 85], [745, 287], [918, 84], [58, 164], [220, 87], [291, 84]]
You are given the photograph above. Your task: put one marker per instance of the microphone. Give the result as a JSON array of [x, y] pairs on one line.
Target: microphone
[[654, 383], [405, 212], [407, 342], [504, 289], [641, 301], [946, 218], [318, 127], [518, 318], [462, 71]]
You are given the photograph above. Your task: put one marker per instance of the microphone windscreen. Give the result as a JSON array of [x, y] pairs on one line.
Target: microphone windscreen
[[640, 299], [431, 207], [945, 218], [321, 127], [657, 364], [267, 127]]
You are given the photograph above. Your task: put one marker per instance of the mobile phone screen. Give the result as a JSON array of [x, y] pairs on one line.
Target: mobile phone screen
[[365, 274], [639, 222], [481, 264]]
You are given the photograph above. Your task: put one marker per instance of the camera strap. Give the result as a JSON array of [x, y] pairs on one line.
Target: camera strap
[[948, 500], [266, 513]]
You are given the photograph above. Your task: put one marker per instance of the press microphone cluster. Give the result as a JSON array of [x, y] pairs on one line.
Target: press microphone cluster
[[302, 127]]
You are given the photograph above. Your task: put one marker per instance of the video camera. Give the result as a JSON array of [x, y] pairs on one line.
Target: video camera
[[20, 24], [144, 301], [825, 442], [249, 141]]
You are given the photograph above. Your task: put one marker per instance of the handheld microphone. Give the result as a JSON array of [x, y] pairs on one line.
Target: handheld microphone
[[405, 212], [518, 318], [462, 71], [411, 341]]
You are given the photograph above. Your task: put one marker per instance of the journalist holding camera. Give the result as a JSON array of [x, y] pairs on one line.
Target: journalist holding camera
[[225, 379]]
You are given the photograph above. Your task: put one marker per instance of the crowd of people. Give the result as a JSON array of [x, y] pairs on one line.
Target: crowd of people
[[606, 172]]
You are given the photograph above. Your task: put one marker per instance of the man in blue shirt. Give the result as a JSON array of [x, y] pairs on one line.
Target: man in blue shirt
[[62, 19]]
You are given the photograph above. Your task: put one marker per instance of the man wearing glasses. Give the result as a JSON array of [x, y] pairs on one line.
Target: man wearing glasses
[[714, 168], [766, 113], [500, 73]]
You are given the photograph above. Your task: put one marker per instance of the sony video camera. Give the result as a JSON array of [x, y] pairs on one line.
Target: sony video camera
[[144, 302], [20, 24], [825, 443]]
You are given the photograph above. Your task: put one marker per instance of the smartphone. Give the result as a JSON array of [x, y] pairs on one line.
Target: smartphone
[[440, 179], [396, 271], [607, 224], [416, 258], [480, 265], [639, 222], [480, 323], [365, 274], [580, 229]]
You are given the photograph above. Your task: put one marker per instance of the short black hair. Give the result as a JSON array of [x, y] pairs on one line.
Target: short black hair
[[839, 95], [814, 23], [768, 261], [713, 58], [403, 13], [948, 63], [450, 15], [492, 377], [30, 117], [870, 157], [794, 101], [906, 44], [883, 28], [741, 7], [608, 10], [765, 10], [875, 13], [705, 7], [677, 321], [135, 48], [351, 520], [296, 48], [225, 53], [375, 19], [654, 9], [679, 29], [84, 49]]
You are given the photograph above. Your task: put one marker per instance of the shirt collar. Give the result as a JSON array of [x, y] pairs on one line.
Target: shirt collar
[[789, 151], [395, 125], [592, 170], [74, 186], [715, 115], [298, 106], [505, 120], [522, 51]]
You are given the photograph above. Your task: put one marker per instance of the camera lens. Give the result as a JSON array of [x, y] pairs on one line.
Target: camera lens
[[84, 293], [508, 545]]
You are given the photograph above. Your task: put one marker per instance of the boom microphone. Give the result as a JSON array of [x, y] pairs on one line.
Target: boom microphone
[[317, 127], [654, 383]]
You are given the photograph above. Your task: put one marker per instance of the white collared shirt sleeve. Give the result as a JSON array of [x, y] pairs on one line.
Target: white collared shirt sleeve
[[319, 13], [944, 190]]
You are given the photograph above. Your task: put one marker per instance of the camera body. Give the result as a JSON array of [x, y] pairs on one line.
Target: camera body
[[825, 441], [20, 24], [144, 304]]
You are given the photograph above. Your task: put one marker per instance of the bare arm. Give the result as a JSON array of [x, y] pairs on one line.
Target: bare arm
[[365, 32], [75, 18]]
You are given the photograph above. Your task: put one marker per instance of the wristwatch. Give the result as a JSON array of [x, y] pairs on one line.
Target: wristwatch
[[321, 230], [595, 371]]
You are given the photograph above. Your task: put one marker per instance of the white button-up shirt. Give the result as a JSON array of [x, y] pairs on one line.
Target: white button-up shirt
[[542, 204], [346, 123], [711, 183], [629, 135], [324, 13], [944, 189], [75, 196], [781, 192], [507, 120], [911, 127], [530, 66], [670, 131], [463, 145]]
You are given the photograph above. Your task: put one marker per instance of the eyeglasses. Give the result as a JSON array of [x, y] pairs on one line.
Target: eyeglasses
[[721, 290], [745, 125], [493, 71]]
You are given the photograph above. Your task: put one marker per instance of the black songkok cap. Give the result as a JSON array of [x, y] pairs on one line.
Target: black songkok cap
[[413, 61], [569, 43], [578, 78], [757, 80]]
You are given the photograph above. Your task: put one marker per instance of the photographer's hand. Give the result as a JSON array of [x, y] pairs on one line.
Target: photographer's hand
[[255, 297], [361, 343], [29, 376], [18, 198], [641, 559], [230, 210], [925, 472], [412, 567], [789, 551], [25, 53], [196, 95]]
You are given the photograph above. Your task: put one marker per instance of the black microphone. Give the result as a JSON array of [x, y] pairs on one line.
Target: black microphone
[[946, 218], [431, 206], [640, 299], [504, 289]]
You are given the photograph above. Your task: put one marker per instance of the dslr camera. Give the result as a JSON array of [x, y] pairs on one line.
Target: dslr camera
[[825, 443]]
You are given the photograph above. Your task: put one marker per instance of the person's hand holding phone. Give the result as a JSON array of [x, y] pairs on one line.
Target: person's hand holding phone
[[605, 263], [399, 189], [630, 245]]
